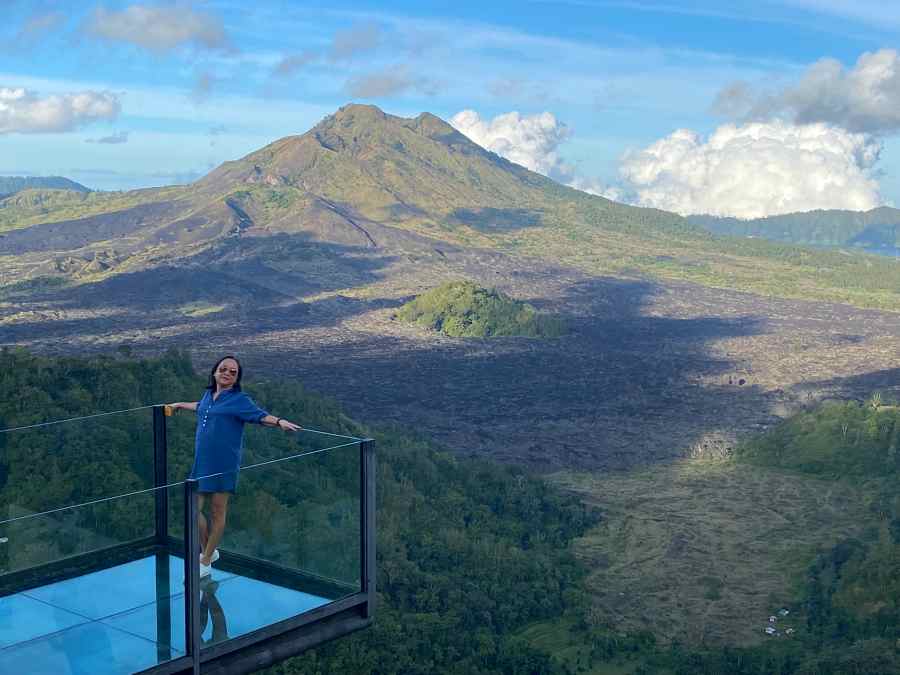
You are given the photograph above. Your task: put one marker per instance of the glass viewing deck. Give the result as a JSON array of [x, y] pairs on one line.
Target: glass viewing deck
[[101, 585]]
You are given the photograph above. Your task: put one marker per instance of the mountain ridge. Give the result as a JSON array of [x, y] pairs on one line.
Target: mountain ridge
[[873, 229], [10, 185]]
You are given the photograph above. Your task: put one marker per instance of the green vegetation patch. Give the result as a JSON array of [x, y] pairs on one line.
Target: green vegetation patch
[[837, 439], [464, 309], [703, 552], [35, 285]]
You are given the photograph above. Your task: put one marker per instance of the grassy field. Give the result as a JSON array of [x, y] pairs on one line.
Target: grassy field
[[753, 265], [705, 551]]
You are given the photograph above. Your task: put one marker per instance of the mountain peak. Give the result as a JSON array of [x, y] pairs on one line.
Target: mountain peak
[[358, 111]]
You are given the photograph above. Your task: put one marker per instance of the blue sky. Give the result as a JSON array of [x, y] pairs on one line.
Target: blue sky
[[169, 91]]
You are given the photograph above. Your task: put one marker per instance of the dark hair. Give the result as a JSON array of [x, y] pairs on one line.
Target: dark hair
[[212, 374]]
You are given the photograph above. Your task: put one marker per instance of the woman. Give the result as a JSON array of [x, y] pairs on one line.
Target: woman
[[221, 415]]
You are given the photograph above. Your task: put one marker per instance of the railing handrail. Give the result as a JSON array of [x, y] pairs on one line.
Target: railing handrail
[[77, 419], [38, 425]]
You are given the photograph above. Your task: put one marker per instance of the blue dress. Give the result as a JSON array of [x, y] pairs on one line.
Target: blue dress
[[220, 437]]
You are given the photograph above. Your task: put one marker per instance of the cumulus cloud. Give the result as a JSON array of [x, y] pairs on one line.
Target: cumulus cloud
[[389, 82], [864, 98], [756, 170], [22, 111], [354, 41], [112, 139], [532, 141], [158, 28]]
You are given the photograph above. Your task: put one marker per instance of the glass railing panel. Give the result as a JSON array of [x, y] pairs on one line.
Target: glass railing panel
[[31, 539], [264, 443], [71, 576], [74, 461], [292, 539], [302, 512]]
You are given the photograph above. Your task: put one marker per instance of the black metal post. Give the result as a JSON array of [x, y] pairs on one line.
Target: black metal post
[[163, 608], [161, 474], [192, 574], [367, 522]]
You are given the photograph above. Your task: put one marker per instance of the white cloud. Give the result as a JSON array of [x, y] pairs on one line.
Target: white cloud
[[531, 141], [865, 98], [756, 170], [22, 111], [158, 29]]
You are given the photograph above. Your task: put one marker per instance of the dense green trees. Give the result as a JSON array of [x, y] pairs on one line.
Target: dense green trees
[[464, 309], [468, 552]]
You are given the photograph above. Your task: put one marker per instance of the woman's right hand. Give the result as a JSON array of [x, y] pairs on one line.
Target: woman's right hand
[[172, 408]]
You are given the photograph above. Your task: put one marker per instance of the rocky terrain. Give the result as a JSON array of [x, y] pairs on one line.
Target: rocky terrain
[[649, 370]]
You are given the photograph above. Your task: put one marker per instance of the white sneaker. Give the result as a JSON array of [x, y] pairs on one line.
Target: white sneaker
[[205, 570], [213, 557]]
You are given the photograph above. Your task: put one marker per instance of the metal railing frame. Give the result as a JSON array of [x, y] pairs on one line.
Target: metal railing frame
[[364, 601]]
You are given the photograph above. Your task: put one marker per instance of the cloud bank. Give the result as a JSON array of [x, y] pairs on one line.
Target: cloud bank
[[756, 170], [532, 141], [865, 98], [22, 111], [158, 29]]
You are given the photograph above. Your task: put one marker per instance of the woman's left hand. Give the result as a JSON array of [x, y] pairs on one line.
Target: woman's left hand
[[285, 425]]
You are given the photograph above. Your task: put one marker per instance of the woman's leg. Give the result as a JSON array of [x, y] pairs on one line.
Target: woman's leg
[[201, 522], [218, 511]]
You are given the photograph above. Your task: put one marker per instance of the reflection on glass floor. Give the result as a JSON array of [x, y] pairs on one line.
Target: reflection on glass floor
[[131, 617]]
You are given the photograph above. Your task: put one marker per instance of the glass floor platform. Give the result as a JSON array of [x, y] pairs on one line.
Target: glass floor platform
[[130, 617]]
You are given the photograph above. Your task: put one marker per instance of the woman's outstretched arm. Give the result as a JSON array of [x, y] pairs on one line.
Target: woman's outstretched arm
[[280, 422], [181, 405]]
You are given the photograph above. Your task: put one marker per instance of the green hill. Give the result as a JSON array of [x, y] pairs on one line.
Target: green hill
[[463, 309], [876, 230], [12, 184], [851, 590], [834, 440]]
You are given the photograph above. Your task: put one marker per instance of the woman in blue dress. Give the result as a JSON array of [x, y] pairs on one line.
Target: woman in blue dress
[[221, 415]]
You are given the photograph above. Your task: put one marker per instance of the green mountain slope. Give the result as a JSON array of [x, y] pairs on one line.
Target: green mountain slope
[[364, 166], [875, 229], [11, 184], [363, 178]]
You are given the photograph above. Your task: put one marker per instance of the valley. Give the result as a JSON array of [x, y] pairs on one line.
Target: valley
[[650, 369]]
